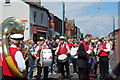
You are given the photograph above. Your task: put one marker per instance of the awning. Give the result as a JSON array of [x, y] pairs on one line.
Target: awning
[[42, 31]]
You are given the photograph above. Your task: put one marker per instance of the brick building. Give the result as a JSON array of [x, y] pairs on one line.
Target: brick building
[[72, 31], [117, 37]]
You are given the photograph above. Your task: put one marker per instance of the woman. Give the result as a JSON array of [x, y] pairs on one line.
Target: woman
[[74, 56]]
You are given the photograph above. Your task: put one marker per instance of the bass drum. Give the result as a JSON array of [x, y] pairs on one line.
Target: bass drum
[[62, 58], [46, 57]]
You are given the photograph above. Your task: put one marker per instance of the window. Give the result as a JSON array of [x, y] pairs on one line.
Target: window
[[7, 1], [35, 16], [41, 17]]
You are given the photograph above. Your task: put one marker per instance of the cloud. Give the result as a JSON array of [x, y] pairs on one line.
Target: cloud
[[54, 7], [80, 0], [71, 8], [95, 23], [97, 26]]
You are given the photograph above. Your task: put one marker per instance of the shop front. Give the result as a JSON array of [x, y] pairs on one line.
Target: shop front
[[39, 31]]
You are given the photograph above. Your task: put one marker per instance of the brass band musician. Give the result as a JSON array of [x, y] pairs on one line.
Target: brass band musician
[[17, 59]]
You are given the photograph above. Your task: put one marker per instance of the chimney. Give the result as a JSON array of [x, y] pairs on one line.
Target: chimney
[[36, 2]]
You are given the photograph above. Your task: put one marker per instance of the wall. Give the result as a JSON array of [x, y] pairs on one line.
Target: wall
[[58, 24], [0, 17], [19, 9], [118, 48]]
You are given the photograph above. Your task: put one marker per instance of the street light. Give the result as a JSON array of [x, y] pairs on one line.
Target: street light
[[63, 18], [113, 27]]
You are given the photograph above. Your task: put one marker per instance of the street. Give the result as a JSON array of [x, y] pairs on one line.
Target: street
[[73, 76]]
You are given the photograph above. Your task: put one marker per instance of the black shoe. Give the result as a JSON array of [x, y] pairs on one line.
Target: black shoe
[[61, 77], [68, 77], [45, 78]]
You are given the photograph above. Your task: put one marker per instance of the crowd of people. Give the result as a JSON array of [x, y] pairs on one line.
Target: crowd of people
[[85, 55]]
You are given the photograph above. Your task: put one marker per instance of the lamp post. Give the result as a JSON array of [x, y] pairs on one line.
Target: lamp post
[[63, 6], [113, 27]]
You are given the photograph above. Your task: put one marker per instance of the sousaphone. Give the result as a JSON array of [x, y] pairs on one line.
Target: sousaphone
[[11, 26]]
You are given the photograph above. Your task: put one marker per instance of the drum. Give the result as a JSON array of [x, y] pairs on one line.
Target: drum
[[46, 57], [62, 58]]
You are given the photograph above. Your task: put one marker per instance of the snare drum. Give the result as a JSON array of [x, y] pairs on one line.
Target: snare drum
[[62, 58], [46, 57]]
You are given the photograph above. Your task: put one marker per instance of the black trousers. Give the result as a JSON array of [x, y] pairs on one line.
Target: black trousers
[[12, 78], [83, 73], [74, 61], [58, 64], [104, 66], [95, 68], [53, 62], [27, 66], [40, 71], [62, 70]]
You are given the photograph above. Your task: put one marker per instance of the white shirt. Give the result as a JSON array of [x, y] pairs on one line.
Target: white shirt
[[19, 59], [73, 51], [108, 48], [89, 51], [38, 47], [1, 53], [0, 49]]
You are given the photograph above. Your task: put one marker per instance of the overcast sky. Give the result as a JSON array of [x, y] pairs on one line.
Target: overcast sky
[[91, 17]]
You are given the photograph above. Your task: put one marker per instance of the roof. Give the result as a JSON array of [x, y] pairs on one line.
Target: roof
[[71, 23], [38, 6]]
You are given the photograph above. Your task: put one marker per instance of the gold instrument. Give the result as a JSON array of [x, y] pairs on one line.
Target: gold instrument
[[10, 26], [27, 49]]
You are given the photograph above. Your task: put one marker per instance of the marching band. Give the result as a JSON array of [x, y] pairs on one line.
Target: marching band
[[26, 55]]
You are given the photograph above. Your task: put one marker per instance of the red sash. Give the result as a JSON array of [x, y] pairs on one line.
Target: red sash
[[63, 50], [85, 47]]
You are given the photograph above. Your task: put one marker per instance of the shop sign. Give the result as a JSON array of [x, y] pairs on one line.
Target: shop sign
[[42, 28], [34, 29]]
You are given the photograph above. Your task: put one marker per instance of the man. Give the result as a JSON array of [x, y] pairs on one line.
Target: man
[[1, 53], [1, 59], [52, 47], [104, 61], [41, 45], [17, 59], [33, 57], [56, 43], [70, 44], [56, 57], [63, 49], [82, 60]]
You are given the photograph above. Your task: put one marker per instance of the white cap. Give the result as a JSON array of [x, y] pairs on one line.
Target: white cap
[[62, 37], [57, 39], [16, 36], [41, 38], [101, 37], [93, 41]]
